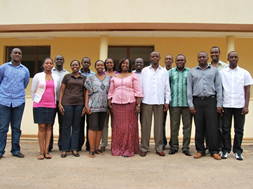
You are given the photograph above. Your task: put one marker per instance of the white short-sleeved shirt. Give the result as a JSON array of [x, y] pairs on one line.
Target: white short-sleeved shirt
[[233, 82]]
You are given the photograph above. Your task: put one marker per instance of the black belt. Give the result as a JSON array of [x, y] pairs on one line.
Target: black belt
[[205, 97]]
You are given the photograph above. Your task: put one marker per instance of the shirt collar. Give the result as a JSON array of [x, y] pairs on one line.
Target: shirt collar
[[237, 67], [74, 76], [54, 69], [159, 67], [21, 65], [208, 66], [179, 70], [83, 72]]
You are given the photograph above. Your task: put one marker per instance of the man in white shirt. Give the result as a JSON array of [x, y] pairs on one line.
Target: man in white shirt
[[139, 63], [155, 87], [61, 72], [236, 83]]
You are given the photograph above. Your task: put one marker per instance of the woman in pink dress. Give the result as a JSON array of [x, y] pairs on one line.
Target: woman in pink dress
[[43, 93], [124, 101]]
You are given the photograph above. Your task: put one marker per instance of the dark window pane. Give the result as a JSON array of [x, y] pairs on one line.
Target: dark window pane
[[141, 52], [29, 59], [43, 52], [117, 53], [32, 57]]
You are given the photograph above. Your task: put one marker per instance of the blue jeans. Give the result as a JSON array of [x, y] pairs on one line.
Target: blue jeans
[[13, 116], [71, 117]]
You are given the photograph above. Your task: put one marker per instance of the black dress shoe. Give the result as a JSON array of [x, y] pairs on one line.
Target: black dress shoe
[[1, 156], [187, 153], [19, 155], [64, 155], [75, 154], [172, 151]]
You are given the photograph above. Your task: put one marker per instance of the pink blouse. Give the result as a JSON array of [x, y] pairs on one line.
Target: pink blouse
[[48, 97], [124, 90]]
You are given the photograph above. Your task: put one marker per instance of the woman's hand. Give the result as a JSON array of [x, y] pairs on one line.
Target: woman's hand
[[111, 108], [108, 111], [137, 109], [61, 109], [83, 112], [88, 111]]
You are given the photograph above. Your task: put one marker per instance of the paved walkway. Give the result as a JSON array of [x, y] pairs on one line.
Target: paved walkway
[[152, 171]]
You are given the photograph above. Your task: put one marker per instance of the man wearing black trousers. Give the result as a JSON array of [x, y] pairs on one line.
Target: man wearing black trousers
[[236, 83], [61, 72], [204, 93]]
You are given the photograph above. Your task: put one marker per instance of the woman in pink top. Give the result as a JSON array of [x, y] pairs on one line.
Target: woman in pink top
[[43, 93], [124, 101]]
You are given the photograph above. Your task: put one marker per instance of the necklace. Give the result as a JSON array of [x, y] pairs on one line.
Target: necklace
[[102, 86]]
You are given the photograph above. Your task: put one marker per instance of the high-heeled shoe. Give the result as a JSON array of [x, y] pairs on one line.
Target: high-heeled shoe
[[63, 155], [75, 154]]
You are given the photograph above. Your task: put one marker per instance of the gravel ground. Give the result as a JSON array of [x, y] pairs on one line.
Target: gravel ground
[[152, 171]]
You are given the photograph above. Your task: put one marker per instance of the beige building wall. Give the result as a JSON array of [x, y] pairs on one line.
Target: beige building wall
[[115, 11]]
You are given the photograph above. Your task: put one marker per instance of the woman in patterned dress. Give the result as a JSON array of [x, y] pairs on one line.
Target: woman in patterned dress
[[96, 106]]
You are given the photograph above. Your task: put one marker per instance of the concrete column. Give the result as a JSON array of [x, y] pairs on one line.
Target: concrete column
[[103, 53], [230, 43]]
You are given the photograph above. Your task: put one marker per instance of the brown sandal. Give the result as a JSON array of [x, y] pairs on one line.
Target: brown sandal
[[41, 156], [92, 154], [99, 152], [47, 156]]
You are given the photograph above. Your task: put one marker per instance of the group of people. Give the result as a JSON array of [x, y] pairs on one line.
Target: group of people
[[211, 92]]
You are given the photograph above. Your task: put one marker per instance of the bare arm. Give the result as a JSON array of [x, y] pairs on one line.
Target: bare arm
[[86, 102], [84, 94], [245, 109], [61, 109]]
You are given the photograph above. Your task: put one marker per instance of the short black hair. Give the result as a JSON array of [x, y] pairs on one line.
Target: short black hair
[[74, 61], [47, 59], [99, 61], [202, 52], [180, 55], [114, 66], [215, 47], [231, 52], [86, 58], [123, 60]]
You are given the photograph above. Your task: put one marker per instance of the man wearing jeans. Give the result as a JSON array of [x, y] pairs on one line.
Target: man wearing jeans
[[236, 83], [14, 78]]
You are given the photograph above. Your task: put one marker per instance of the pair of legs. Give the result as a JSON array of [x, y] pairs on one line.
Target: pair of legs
[[164, 130], [82, 133], [175, 116], [71, 128], [13, 116], [44, 136], [104, 142], [60, 121], [206, 119], [239, 121], [146, 119], [96, 124]]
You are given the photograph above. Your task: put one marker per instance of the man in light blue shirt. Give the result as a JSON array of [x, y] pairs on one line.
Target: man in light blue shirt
[[14, 78]]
